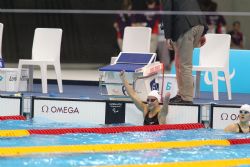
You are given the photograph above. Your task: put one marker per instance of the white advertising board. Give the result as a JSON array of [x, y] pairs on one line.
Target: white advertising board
[[178, 114], [224, 115], [61, 110], [86, 111], [10, 106], [181, 114], [8, 77], [133, 115]]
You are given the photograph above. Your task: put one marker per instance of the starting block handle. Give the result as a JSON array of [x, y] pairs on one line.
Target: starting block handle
[[144, 77]]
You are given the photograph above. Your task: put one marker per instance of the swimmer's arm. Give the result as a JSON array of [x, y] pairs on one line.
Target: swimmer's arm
[[231, 128], [132, 94], [164, 110]]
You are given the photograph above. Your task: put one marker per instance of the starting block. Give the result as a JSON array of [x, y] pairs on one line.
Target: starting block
[[141, 71]]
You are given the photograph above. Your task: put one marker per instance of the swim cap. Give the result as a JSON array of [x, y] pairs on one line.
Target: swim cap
[[155, 94], [245, 107]]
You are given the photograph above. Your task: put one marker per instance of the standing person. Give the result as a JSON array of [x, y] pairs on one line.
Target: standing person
[[153, 113], [183, 33], [149, 20], [153, 22], [236, 36], [216, 23], [243, 125], [122, 21]]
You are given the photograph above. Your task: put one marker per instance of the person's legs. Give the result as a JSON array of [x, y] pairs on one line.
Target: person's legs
[[177, 67], [185, 46], [185, 55], [177, 98]]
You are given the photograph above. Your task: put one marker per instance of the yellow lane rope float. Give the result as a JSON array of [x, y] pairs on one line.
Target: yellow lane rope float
[[205, 163], [14, 133], [20, 151]]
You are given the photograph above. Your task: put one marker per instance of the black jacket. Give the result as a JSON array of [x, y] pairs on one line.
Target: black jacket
[[176, 25]]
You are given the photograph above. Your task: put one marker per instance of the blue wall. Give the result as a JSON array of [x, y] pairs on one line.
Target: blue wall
[[239, 72]]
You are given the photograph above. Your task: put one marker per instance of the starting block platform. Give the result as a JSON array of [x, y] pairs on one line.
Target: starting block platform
[[141, 70]]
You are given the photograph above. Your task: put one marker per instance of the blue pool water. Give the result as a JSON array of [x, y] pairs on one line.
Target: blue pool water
[[117, 158]]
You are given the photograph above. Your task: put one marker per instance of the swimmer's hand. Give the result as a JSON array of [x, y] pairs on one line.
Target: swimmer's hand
[[167, 97]]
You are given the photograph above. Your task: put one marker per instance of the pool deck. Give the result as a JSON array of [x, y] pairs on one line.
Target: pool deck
[[81, 81]]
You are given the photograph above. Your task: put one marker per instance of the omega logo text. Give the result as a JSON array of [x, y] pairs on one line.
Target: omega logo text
[[60, 110], [225, 116]]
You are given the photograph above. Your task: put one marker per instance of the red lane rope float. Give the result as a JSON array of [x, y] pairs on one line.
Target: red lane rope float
[[15, 117], [117, 129], [239, 141]]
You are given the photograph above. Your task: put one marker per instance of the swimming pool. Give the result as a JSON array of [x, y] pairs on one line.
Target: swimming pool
[[120, 157]]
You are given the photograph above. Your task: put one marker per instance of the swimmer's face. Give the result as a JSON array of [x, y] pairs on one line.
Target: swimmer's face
[[152, 102], [244, 116]]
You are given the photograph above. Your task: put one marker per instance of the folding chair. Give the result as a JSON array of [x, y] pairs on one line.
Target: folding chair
[[136, 40]]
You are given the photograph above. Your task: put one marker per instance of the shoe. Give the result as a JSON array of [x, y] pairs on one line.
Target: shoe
[[178, 100], [174, 98]]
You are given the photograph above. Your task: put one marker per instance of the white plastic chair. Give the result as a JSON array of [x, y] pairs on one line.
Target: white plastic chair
[[214, 57], [1, 37], [45, 51], [136, 39]]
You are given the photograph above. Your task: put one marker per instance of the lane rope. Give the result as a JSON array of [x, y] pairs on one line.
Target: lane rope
[[101, 130], [13, 117], [14, 133], [94, 148], [203, 163], [97, 148]]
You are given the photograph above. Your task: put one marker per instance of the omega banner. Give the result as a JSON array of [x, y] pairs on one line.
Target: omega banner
[[12, 106], [105, 112], [223, 115], [61, 110]]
